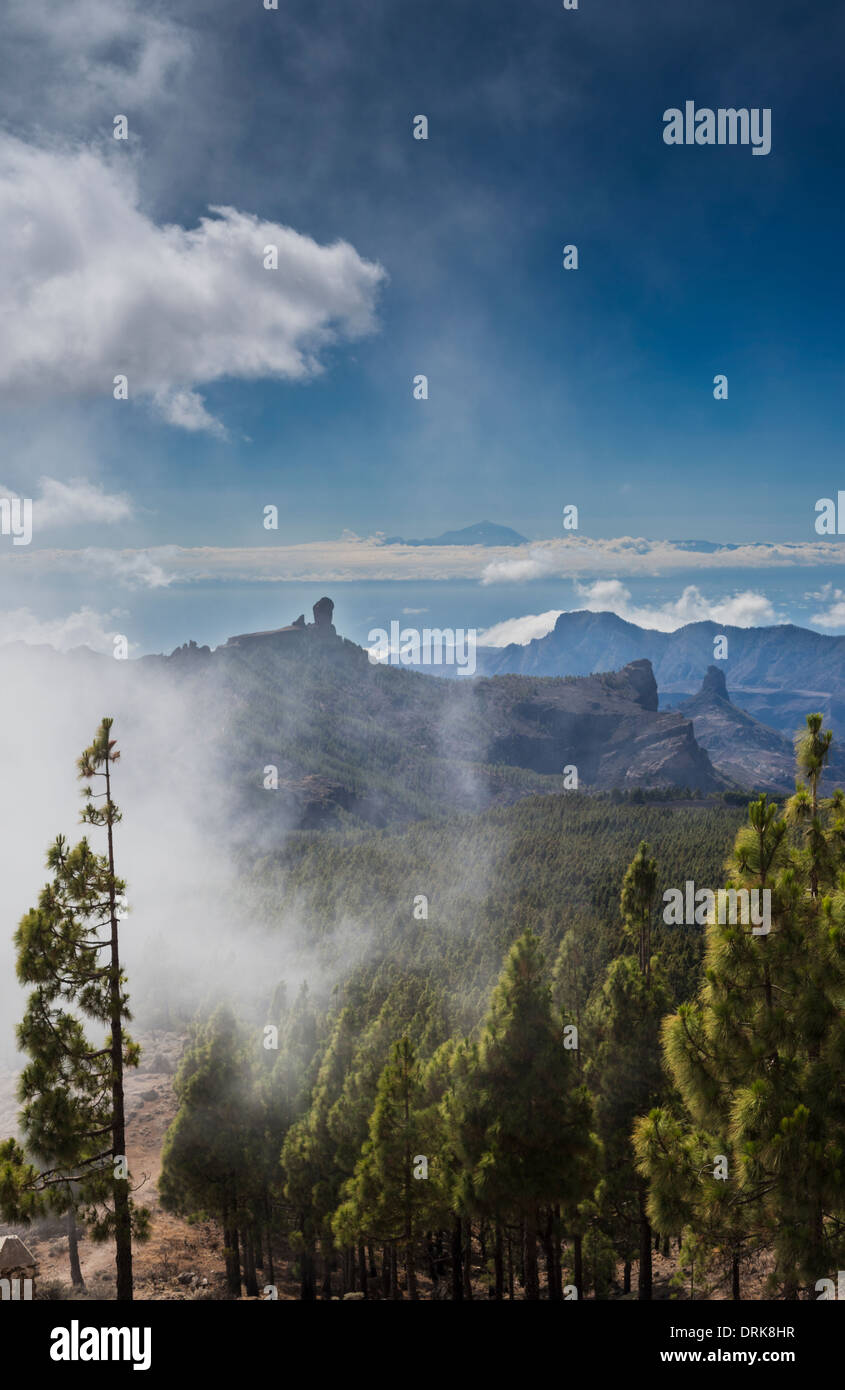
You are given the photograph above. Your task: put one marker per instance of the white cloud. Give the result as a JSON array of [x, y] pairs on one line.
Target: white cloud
[[520, 630], [76, 502], [834, 616], [186, 410], [537, 564], [96, 289], [136, 569], [575, 556], [351, 558], [92, 56], [746, 609], [85, 628]]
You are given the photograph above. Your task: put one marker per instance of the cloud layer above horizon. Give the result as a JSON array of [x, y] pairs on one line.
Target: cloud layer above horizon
[[352, 559], [356, 558]]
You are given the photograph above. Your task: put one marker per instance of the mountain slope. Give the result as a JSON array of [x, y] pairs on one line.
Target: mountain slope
[[740, 746], [349, 738], [779, 673], [310, 733]]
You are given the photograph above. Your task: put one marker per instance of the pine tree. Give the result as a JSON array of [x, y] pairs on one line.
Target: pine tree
[[624, 1069], [639, 887], [757, 1057], [211, 1158], [527, 1135], [72, 1090], [812, 750], [387, 1197], [314, 1169], [690, 1191]]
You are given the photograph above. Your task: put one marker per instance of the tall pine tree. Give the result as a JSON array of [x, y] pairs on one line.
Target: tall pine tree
[[526, 1118], [72, 1089]]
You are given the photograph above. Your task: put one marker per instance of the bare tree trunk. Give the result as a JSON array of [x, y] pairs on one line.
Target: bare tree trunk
[[468, 1260], [645, 1250], [556, 1254], [411, 1269], [578, 1264], [547, 1239], [326, 1282], [457, 1261], [73, 1250], [122, 1212], [499, 1264], [532, 1273], [269, 1228], [233, 1265], [249, 1264], [308, 1290]]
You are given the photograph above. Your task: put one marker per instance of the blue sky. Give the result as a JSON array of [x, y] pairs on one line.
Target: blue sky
[[294, 387]]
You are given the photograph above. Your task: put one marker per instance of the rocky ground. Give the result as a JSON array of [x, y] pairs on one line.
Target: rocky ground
[[180, 1260]]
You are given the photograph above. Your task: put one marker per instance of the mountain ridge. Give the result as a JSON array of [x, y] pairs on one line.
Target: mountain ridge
[[778, 672], [314, 734]]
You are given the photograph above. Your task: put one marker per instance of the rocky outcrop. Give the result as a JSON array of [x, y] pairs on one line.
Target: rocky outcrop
[[322, 627], [354, 741], [714, 683], [188, 655], [778, 674], [609, 727], [743, 749]]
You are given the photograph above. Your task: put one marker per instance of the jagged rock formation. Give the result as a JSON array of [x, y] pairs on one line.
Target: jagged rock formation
[[312, 733], [779, 674], [188, 654], [609, 727], [443, 744], [322, 627], [741, 748], [714, 683]]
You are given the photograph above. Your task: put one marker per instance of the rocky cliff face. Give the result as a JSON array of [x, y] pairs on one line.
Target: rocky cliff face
[[383, 745], [741, 748], [609, 727], [779, 674]]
